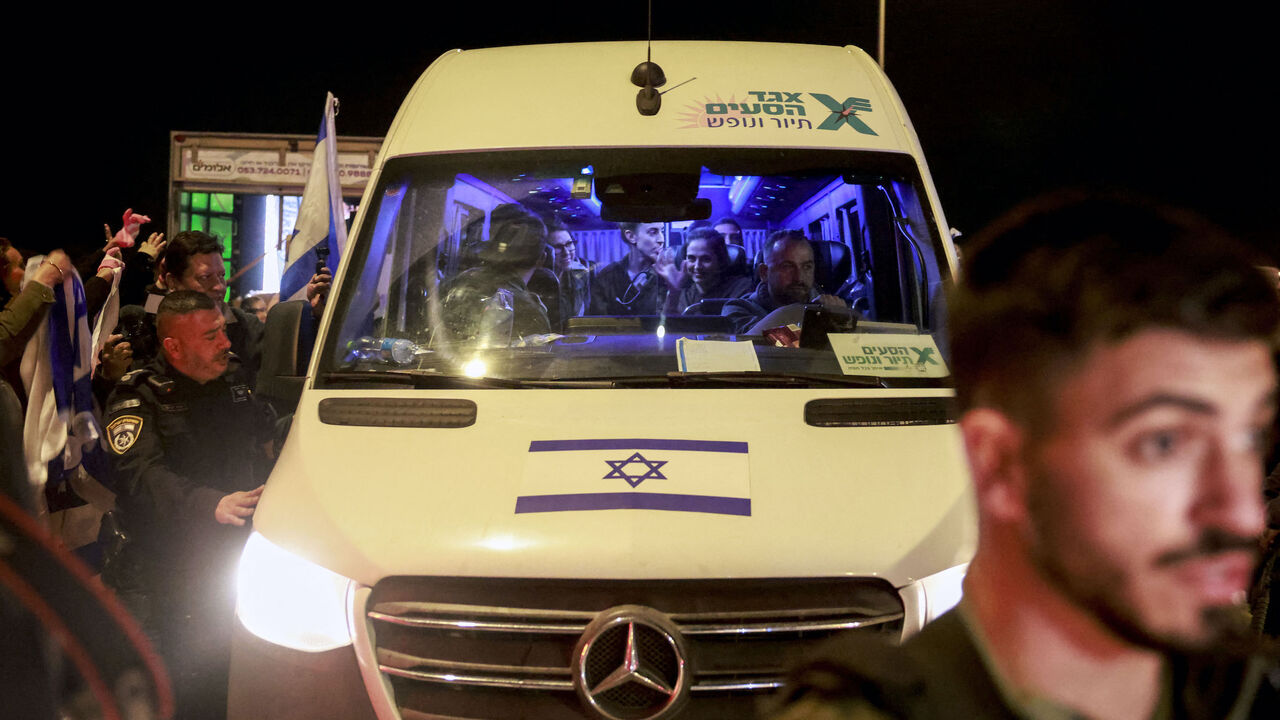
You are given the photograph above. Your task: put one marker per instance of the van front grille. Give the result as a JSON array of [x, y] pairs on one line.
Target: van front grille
[[503, 648]]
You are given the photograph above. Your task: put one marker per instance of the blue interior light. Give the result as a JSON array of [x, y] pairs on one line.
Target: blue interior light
[[741, 190]]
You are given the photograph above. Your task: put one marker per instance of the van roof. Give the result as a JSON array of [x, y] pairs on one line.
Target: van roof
[[727, 94]]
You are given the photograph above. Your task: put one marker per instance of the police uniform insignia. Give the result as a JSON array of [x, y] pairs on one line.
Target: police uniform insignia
[[123, 432], [124, 405], [239, 393]]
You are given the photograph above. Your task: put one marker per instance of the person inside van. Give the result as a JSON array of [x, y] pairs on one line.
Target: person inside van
[[498, 284], [573, 274], [786, 278], [730, 230], [255, 305], [638, 283], [706, 261]]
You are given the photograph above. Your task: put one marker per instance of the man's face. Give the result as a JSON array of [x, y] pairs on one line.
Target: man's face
[[703, 264], [1144, 500], [648, 240], [205, 274], [789, 273], [197, 344], [564, 247], [732, 233], [256, 307]]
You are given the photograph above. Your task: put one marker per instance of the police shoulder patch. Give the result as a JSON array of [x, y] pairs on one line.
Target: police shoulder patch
[[123, 432], [124, 405]]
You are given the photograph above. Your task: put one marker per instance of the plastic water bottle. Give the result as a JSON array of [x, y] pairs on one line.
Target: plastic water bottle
[[391, 350]]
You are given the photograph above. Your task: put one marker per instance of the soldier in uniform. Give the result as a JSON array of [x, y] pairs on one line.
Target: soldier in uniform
[[190, 448], [1113, 367]]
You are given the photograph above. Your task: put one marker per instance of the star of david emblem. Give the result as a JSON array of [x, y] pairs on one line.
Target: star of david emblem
[[644, 469]]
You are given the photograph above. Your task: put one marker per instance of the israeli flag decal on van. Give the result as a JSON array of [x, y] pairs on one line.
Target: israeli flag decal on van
[[704, 476]]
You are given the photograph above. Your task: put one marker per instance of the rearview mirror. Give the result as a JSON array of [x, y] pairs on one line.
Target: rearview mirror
[[651, 197]]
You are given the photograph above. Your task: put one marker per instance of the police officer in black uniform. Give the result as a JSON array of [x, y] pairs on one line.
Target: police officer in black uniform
[[190, 449]]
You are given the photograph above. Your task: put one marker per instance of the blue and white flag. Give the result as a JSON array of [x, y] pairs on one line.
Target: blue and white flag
[[321, 222], [700, 476], [61, 432]]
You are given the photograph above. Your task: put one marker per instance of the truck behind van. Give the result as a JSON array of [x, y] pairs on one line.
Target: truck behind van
[[624, 516]]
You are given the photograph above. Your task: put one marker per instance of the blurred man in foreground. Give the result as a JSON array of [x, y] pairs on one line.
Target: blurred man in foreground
[[1113, 367]]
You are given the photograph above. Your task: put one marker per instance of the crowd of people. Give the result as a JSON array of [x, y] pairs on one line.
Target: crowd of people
[[708, 274], [1114, 365], [148, 443]]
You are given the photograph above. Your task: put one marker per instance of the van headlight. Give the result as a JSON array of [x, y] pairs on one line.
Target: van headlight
[[926, 599], [289, 601]]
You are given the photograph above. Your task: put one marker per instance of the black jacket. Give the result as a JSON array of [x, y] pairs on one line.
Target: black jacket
[[177, 448], [939, 673], [614, 293]]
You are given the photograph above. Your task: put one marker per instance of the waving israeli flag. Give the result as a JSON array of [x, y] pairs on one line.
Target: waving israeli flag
[[61, 433], [321, 230]]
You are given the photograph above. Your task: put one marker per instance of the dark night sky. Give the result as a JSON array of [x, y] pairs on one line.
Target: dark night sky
[[1008, 97]]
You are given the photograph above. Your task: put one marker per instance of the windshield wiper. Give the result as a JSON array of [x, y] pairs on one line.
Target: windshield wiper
[[749, 379], [422, 379]]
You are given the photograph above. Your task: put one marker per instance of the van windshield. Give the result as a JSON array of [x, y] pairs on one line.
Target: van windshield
[[630, 267]]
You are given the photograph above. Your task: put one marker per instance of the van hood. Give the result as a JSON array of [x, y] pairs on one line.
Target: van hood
[[623, 484]]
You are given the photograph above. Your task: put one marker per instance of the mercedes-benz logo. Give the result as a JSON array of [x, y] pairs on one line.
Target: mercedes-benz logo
[[629, 664]]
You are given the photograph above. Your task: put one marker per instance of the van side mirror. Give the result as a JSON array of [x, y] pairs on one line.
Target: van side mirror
[[286, 351]]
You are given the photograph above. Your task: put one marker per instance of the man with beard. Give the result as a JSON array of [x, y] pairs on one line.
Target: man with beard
[[1112, 362], [786, 278], [189, 450], [192, 261]]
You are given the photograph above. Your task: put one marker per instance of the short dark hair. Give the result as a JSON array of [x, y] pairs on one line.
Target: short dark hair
[[179, 303], [728, 220], [628, 227], [715, 243], [179, 251], [781, 237], [1046, 283]]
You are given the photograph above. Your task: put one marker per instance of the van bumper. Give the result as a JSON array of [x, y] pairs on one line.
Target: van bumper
[[270, 682]]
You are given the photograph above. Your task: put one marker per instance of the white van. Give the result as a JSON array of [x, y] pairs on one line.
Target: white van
[[625, 517]]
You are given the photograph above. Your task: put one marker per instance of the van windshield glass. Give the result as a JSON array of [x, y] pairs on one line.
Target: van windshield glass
[[623, 267]]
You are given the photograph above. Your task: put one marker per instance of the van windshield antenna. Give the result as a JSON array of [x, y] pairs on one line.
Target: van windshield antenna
[[648, 76]]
